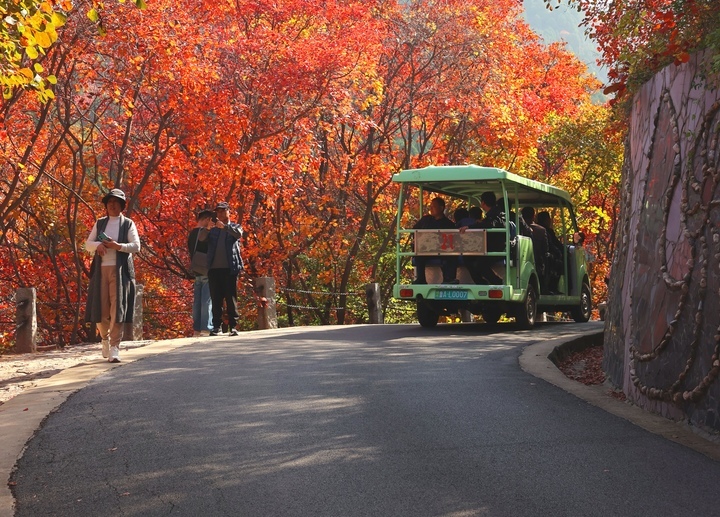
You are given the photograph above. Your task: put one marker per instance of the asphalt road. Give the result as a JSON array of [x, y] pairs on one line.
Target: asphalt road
[[351, 421]]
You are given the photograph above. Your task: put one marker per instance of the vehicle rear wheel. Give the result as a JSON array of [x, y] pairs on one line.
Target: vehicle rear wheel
[[491, 316], [528, 310], [582, 312], [427, 317]]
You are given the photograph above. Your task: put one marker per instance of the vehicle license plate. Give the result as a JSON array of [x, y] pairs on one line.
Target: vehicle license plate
[[450, 294]]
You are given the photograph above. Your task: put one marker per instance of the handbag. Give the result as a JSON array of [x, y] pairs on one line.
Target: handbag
[[198, 263]]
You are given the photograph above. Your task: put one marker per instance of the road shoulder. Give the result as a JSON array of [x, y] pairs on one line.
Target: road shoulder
[[22, 416], [536, 360]]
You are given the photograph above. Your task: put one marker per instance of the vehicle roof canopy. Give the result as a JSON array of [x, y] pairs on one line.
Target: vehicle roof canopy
[[470, 181]]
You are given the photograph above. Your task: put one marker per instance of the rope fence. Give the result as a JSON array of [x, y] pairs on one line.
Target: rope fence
[[314, 293], [264, 296], [261, 290], [147, 299], [325, 293]]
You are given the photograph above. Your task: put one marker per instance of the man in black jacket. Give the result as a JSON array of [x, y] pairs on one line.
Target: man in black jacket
[[224, 266]]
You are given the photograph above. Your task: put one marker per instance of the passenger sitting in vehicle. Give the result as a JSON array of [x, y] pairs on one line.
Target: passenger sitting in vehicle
[[436, 220], [540, 245], [511, 216], [474, 214], [554, 267], [481, 267], [459, 215]]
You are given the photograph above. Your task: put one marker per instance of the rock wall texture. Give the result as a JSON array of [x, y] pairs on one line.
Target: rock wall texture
[[662, 332]]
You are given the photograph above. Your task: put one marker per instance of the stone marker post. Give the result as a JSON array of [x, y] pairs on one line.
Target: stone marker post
[[372, 293], [267, 312], [134, 331], [25, 320]]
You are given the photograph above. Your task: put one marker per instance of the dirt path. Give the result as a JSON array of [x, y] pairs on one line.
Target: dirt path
[[18, 372]]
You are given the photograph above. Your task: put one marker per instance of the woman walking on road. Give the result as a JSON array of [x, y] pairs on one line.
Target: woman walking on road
[[111, 293]]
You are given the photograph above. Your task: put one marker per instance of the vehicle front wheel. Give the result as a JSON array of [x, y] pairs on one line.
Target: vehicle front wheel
[[582, 312], [528, 310], [427, 317]]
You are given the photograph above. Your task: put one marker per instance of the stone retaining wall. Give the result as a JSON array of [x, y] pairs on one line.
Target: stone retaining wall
[[662, 328]]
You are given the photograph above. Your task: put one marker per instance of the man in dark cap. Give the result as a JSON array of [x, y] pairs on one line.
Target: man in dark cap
[[202, 305], [111, 293], [224, 266]]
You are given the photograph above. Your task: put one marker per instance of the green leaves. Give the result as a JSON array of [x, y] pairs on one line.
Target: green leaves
[[28, 30]]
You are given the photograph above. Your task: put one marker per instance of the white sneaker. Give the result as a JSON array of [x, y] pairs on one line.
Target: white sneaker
[[105, 349], [114, 354]]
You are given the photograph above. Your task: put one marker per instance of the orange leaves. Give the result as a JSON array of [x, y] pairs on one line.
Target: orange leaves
[[614, 88], [682, 57], [297, 112]]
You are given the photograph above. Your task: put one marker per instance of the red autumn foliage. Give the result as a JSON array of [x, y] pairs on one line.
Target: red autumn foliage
[[636, 38], [296, 112]]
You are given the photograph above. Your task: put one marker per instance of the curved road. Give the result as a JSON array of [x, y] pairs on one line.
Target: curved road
[[381, 420]]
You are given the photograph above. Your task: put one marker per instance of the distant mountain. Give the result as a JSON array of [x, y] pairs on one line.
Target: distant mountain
[[562, 24]]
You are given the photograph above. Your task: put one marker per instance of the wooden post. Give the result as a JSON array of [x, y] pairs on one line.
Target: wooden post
[[267, 313], [372, 293], [25, 320], [133, 331]]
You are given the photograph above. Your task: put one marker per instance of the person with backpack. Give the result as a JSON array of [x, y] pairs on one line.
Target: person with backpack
[[202, 304]]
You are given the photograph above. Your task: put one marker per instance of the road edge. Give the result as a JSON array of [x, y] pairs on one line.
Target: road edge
[[537, 360], [22, 416]]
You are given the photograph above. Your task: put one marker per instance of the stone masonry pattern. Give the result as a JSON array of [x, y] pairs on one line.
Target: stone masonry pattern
[[662, 333]]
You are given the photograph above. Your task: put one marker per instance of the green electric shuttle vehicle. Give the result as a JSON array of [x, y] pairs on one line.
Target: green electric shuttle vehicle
[[519, 291]]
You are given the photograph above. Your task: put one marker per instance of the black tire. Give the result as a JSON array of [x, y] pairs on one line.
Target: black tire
[[527, 312], [427, 317], [582, 312], [491, 316]]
